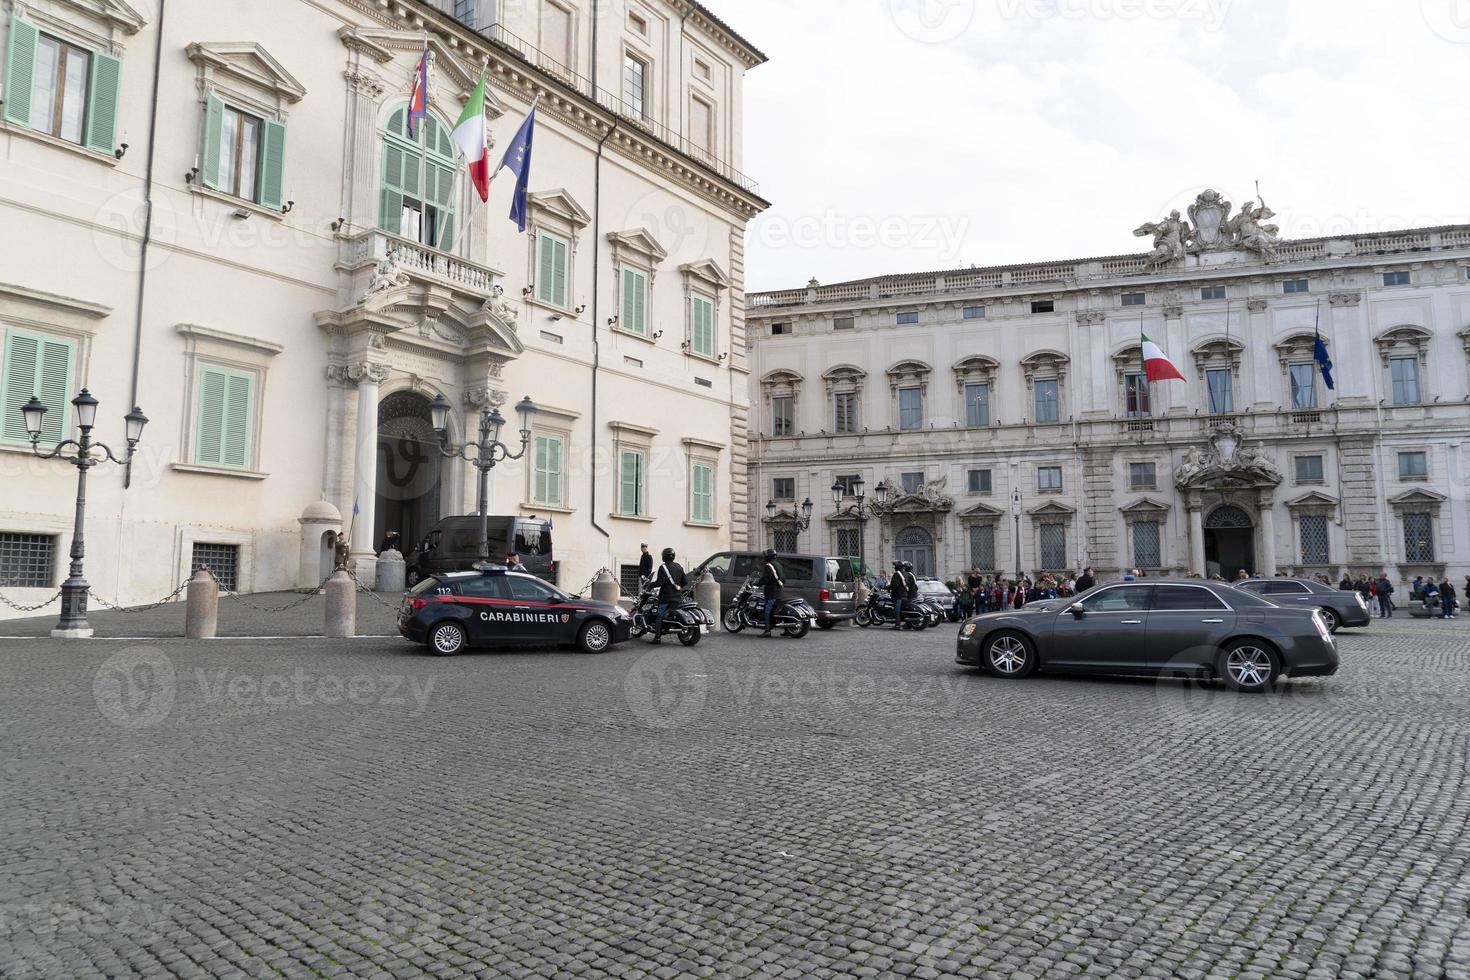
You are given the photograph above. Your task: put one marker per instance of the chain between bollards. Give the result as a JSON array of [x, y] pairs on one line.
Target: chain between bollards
[[19, 608]]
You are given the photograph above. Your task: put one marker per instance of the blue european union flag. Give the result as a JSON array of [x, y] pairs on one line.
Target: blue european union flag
[[517, 160], [1319, 351]]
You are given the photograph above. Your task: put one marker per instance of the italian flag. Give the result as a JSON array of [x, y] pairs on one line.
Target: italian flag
[[1156, 364], [471, 136]]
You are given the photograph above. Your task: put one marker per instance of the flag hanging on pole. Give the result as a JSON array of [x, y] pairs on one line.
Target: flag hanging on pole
[[472, 138], [1319, 354], [418, 101], [517, 160], [1156, 364]]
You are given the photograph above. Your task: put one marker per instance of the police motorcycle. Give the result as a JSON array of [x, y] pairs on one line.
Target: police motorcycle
[[684, 618], [879, 612], [793, 617]]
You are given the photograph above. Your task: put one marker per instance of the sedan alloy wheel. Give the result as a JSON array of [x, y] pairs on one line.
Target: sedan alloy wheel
[[1248, 667], [1009, 655]]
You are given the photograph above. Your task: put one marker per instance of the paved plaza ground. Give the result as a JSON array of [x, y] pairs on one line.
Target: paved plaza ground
[[853, 804]]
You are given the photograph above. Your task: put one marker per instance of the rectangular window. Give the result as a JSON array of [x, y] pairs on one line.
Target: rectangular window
[[780, 329], [223, 560], [1142, 476], [784, 539], [1295, 286], [553, 259], [1043, 306], [783, 422], [27, 561], [416, 195], [982, 546], [702, 326], [977, 404], [1047, 408], [783, 488], [910, 409], [1146, 552], [36, 366], [59, 98], [974, 313], [1135, 395], [1314, 539], [1405, 374], [845, 542], [239, 152], [556, 34], [1413, 466], [702, 493], [1135, 299], [1053, 546], [628, 583], [843, 323], [222, 427], [702, 69], [911, 482], [1419, 537], [1221, 389], [911, 316], [1212, 292], [631, 477], [849, 484], [464, 11], [1396, 278], [1303, 386], [979, 481], [702, 125], [1048, 478], [60, 89], [845, 412], [1309, 469], [635, 86], [638, 24], [546, 471], [634, 316]]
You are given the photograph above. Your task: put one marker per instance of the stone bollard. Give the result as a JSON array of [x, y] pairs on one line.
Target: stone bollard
[[707, 594], [605, 587], [860, 594], [391, 572], [201, 606], [341, 617]]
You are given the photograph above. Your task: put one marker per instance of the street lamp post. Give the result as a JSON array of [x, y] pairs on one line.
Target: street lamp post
[[73, 622], [802, 523], [1016, 513], [860, 498], [484, 453]]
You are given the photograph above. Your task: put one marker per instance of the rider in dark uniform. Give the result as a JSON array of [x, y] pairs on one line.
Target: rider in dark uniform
[[770, 582], [671, 584], [898, 587]]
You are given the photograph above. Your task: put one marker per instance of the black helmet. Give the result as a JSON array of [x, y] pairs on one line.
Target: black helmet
[[770, 553], [668, 554]]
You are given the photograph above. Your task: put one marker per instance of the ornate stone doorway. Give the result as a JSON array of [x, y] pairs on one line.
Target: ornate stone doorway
[[916, 545], [1230, 542], [410, 469]]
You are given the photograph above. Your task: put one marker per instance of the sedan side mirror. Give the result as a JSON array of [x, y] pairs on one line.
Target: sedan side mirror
[[1077, 609]]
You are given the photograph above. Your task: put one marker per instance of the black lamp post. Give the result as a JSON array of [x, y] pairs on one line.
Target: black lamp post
[[801, 523], [485, 452], [880, 493], [1016, 513], [73, 620]]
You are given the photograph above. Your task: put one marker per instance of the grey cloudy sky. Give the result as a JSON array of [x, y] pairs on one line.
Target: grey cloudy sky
[[910, 135]]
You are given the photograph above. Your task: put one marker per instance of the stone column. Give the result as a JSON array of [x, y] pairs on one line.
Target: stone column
[[1268, 538], [1196, 538], [368, 376]]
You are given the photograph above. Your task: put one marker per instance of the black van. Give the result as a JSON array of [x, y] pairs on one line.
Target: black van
[[827, 583], [453, 545]]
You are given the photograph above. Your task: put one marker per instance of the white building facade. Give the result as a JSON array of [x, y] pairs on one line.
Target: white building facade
[[313, 275], [1006, 408]]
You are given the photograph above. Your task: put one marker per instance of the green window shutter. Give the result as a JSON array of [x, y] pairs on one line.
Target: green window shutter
[[37, 366], [272, 164], [701, 509], [210, 432], [237, 421], [559, 273], [214, 118], [629, 306], [630, 499], [102, 103], [20, 76], [22, 357], [441, 195], [702, 336], [538, 471], [635, 301], [553, 472], [545, 266], [390, 194], [640, 294], [53, 386]]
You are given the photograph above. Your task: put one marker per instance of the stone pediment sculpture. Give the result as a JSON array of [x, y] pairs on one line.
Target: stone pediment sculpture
[[927, 499], [1226, 463], [1212, 228], [387, 277], [501, 308], [1169, 238]]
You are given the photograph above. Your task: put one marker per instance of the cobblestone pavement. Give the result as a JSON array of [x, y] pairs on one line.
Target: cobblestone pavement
[[849, 805]]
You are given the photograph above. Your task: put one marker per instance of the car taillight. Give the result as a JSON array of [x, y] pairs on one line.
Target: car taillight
[[414, 604], [824, 595]]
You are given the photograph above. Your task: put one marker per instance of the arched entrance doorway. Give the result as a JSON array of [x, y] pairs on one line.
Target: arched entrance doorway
[[409, 470], [914, 544], [1230, 542]]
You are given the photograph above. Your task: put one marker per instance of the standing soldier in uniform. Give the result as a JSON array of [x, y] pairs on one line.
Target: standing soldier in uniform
[[671, 585], [898, 586], [770, 583], [645, 566]]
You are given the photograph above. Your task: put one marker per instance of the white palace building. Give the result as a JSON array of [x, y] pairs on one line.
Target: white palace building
[[313, 277], [1006, 410]]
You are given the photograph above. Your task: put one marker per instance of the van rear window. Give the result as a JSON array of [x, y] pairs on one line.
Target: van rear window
[[795, 569], [839, 569]]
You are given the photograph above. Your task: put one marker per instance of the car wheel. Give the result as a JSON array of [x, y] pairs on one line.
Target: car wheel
[[690, 636], [826, 624], [1009, 655], [447, 639], [1248, 666], [1331, 618], [799, 630], [732, 621], [594, 637]]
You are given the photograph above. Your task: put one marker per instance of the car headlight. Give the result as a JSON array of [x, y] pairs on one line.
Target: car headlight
[[967, 631]]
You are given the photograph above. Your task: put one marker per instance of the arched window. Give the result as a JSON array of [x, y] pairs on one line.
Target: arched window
[[417, 196]]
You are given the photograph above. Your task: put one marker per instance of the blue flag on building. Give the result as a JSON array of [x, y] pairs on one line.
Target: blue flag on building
[[517, 160], [1319, 352]]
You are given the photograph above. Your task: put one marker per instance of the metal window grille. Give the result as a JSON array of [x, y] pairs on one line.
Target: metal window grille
[[846, 541], [27, 561], [1053, 546], [1314, 539], [783, 538], [1419, 537], [1146, 551], [628, 579], [982, 546], [221, 559]]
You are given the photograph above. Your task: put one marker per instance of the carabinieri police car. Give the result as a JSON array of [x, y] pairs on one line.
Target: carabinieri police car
[[495, 607]]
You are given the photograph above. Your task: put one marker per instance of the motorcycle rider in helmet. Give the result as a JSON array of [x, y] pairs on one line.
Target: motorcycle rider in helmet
[[898, 587], [671, 584], [771, 582]]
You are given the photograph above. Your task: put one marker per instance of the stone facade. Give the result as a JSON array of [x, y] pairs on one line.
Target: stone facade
[[297, 321], [1013, 392]]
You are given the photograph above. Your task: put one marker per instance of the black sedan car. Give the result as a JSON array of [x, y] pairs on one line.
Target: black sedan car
[[1185, 626], [935, 592], [1339, 607], [495, 607]]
